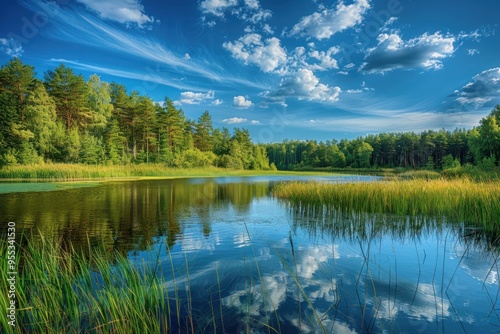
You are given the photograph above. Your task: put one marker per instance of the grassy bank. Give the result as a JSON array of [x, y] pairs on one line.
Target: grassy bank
[[460, 199], [80, 172]]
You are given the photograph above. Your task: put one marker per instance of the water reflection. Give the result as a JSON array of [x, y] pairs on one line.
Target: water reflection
[[255, 262]]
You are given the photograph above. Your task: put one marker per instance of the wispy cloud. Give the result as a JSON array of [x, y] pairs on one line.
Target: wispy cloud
[[396, 121], [326, 23], [472, 52], [11, 47], [250, 11], [122, 11], [146, 77], [73, 21], [392, 52]]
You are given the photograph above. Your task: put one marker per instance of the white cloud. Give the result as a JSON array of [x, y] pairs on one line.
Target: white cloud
[[217, 102], [160, 62], [326, 61], [122, 11], [234, 120], [397, 121], [242, 102], [305, 85], [155, 79], [328, 22], [472, 52], [484, 88], [354, 91], [217, 7], [187, 56], [268, 54], [250, 11], [260, 15], [255, 122], [392, 52], [267, 29], [11, 47], [252, 4], [196, 98]]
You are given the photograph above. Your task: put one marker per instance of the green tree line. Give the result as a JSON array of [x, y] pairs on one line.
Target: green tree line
[[64, 118], [429, 149]]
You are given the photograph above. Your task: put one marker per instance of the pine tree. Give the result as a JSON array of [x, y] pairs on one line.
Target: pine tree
[[70, 93], [203, 139]]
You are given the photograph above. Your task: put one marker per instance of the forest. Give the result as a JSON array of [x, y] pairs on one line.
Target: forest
[[67, 119]]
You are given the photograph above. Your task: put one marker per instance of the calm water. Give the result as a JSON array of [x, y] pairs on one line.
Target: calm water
[[295, 269]]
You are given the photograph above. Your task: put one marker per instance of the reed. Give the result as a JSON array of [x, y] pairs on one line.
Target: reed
[[51, 171], [460, 200], [63, 291]]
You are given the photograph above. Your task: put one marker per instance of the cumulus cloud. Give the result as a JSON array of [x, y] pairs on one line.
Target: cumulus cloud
[[217, 102], [267, 54], [328, 22], [122, 11], [252, 4], [392, 52], [234, 120], [217, 7], [250, 11], [11, 47], [325, 59], [255, 122], [241, 102], [484, 89], [196, 98], [304, 85]]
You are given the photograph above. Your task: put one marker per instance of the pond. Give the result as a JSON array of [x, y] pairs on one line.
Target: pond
[[248, 262]]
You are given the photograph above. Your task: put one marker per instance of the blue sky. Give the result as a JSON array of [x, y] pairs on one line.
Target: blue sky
[[306, 69]]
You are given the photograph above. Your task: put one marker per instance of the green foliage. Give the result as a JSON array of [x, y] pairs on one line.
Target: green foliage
[[65, 119], [450, 162], [194, 158], [68, 119], [71, 96]]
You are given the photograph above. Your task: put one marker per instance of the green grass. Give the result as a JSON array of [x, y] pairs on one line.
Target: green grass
[[79, 172], [460, 200], [62, 290]]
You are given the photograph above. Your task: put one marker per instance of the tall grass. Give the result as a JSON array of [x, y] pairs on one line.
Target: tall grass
[[79, 171], [458, 200], [66, 292], [62, 290]]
